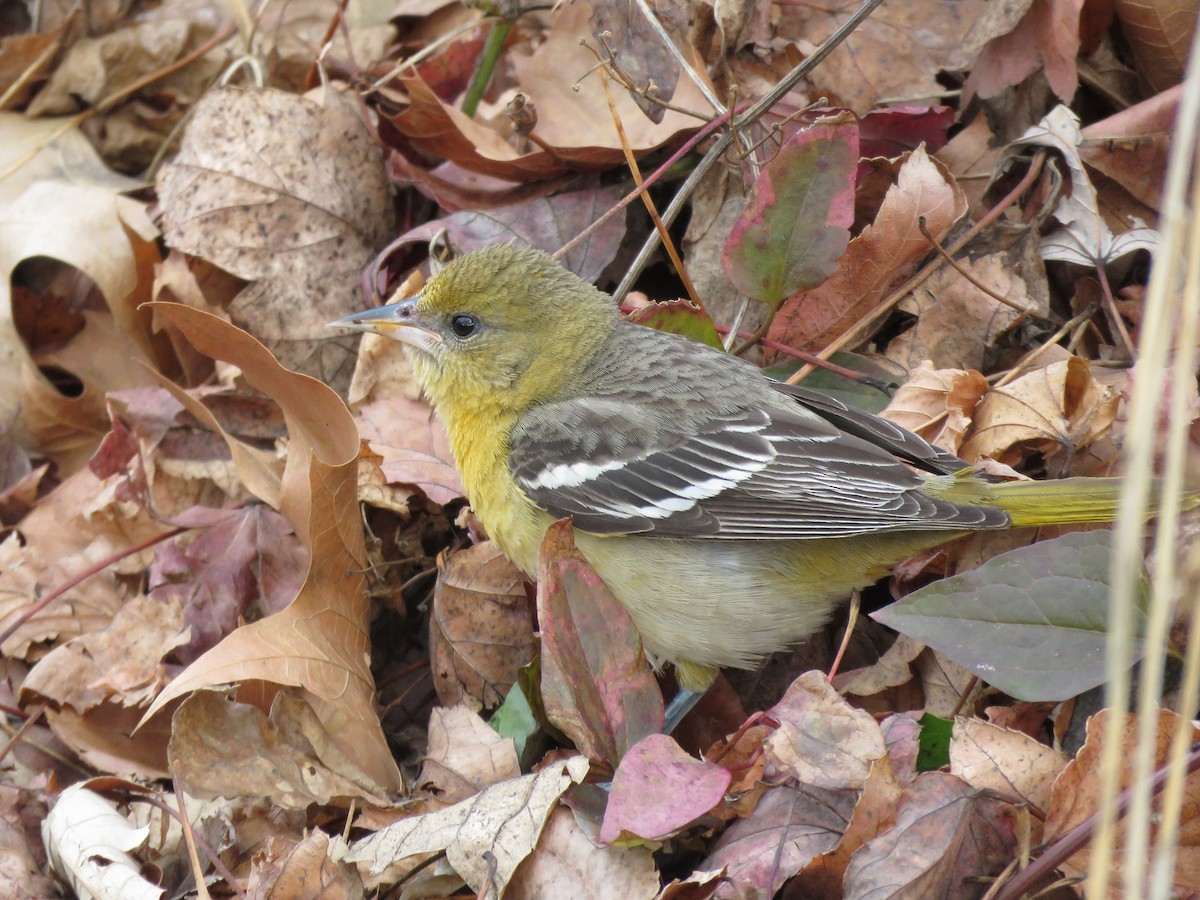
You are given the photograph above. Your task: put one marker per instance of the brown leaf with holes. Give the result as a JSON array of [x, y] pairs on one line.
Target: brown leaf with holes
[[250, 192]]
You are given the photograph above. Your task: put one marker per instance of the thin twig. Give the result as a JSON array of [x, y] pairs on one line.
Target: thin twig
[[31, 719], [1026, 361], [654, 176], [647, 200], [965, 273]]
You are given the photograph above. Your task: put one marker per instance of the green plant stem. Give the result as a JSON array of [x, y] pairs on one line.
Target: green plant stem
[[487, 64]]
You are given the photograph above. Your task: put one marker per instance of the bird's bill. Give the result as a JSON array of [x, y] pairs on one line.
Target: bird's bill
[[399, 321]]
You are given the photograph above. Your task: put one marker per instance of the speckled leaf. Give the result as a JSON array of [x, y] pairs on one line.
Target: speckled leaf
[[797, 219], [1032, 622], [596, 683]]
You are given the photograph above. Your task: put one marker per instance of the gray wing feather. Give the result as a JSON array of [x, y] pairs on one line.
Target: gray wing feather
[[820, 471]]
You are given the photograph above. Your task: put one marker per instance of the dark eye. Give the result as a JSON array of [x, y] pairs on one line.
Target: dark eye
[[464, 324]]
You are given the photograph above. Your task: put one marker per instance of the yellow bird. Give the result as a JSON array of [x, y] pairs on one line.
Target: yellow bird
[[728, 513]]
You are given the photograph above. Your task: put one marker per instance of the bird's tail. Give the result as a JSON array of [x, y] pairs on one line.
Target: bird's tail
[[1067, 500]]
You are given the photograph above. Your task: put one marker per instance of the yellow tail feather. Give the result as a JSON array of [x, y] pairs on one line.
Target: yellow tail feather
[[1069, 500]]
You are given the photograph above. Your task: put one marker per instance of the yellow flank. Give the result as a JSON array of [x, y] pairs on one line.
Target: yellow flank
[[727, 519]]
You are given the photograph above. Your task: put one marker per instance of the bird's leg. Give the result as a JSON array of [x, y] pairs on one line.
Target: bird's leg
[[680, 705], [694, 681]]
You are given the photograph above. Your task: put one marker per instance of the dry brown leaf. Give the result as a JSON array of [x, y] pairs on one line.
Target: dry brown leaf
[[24, 871], [320, 641], [959, 324], [567, 863], [484, 838], [481, 627], [897, 52], [1056, 411], [893, 669], [1076, 794], [878, 259], [1045, 38], [937, 404], [104, 737], [1159, 34], [301, 870], [945, 832], [970, 157], [72, 529], [62, 203], [944, 682], [1008, 762], [821, 740], [123, 663], [220, 748], [464, 755], [250, 191], [874, 812]]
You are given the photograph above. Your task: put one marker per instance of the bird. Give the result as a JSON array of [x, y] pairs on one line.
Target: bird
[[729, 513]]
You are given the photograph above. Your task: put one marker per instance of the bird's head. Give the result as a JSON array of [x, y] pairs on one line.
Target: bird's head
[[506, 322]]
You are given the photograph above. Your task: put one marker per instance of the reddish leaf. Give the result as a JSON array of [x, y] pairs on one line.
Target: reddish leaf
[[797, 218], [596, 683], [789, 827]]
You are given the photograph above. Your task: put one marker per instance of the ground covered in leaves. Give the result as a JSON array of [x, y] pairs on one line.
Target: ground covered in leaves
[[252, 641]]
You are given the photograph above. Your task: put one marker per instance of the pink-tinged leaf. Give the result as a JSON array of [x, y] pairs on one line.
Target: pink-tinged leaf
[[791, 825], [596, 684], [546, 223], [797, 219], [658, 789], [947, 836]]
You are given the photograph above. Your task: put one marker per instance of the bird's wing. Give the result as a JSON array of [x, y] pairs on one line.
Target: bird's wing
[[901, 442], [760, 472]]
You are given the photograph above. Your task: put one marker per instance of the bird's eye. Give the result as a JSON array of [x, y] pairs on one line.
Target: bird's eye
[[464, 324]]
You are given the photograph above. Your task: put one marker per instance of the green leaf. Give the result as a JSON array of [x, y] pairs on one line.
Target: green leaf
[[679, 317], [515, 719], [1032, 622], [933, 748]]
